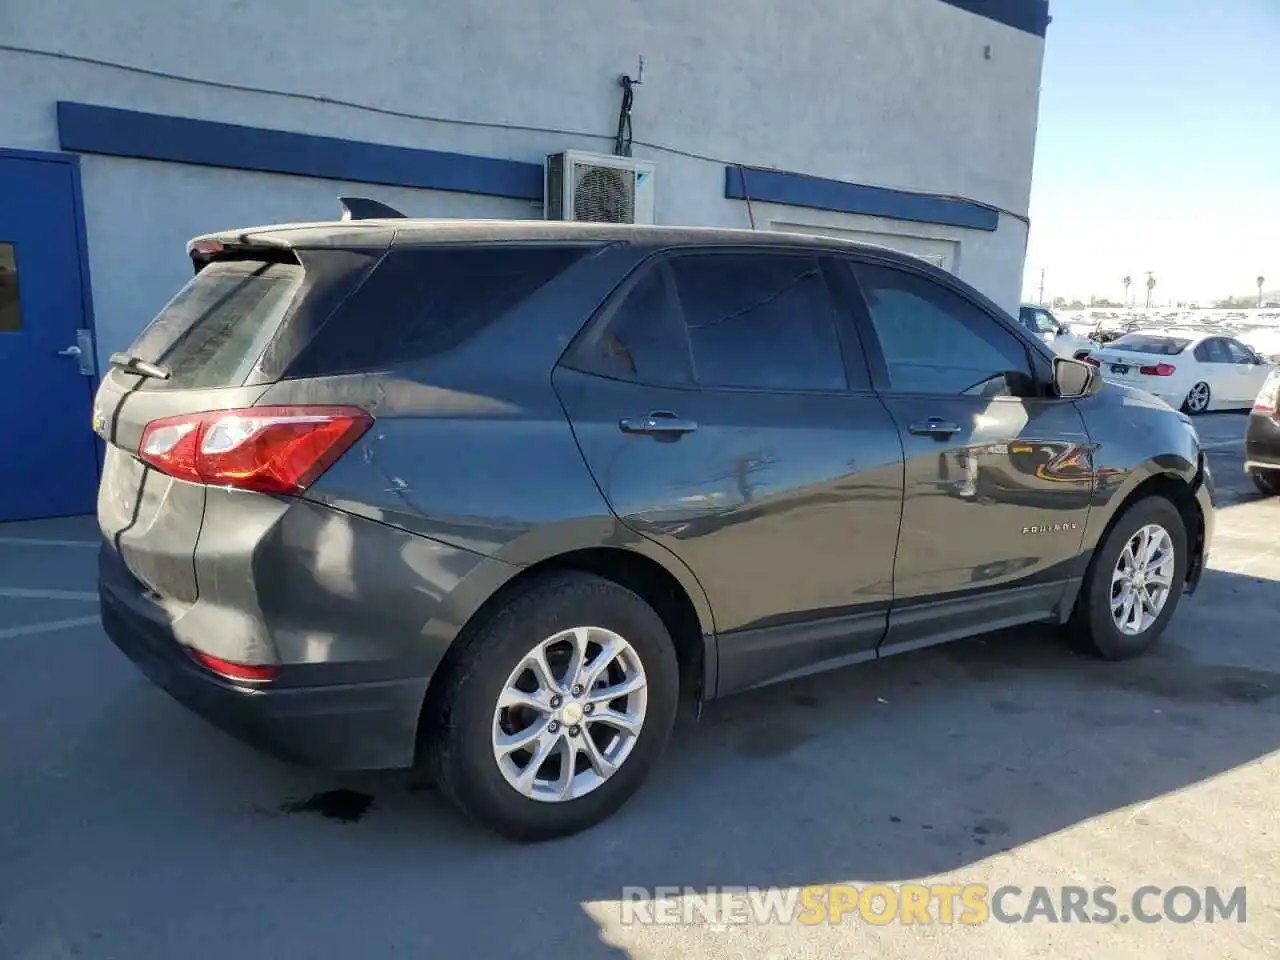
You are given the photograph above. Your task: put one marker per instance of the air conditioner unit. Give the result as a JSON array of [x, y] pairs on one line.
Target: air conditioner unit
[[598, 188]]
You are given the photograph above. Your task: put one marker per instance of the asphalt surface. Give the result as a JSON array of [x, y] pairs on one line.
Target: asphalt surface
[[130, 829]]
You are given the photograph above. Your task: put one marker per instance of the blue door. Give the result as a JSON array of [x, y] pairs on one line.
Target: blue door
[[48, 457]]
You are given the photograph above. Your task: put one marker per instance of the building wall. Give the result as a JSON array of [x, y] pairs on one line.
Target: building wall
[[919, 95]]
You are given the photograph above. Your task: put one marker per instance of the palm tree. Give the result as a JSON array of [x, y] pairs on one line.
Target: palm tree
[[1261, 280], [1126, 281], [1151, 285]]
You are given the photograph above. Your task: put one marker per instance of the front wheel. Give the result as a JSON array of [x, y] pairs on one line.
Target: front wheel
[[1267, 481], [1198, 399], [1134, 581], [555, 708]]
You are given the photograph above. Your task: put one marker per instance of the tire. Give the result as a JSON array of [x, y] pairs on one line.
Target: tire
[[461, 730], [1093, 626], [1267, 482], [1193, 404]]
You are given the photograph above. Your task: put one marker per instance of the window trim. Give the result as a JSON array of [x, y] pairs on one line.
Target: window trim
[[1033, 347]]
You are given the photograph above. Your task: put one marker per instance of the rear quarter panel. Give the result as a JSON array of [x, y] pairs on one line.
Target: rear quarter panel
[[473, 448]]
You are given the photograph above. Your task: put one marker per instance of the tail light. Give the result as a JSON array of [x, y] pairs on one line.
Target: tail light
[[1089, 360], [1158, 370], [253, 673], [1081, 355], [268, 449], [1268, 395]]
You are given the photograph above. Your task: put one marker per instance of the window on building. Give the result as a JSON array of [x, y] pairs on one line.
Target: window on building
[[10, 305]]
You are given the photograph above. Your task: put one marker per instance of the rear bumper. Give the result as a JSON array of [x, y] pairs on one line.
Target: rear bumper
[[343, 726]]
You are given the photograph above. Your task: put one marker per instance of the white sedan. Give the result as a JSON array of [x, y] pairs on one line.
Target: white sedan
[[1193, 371]]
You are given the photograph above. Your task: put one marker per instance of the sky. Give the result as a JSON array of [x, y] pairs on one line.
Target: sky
[[1158, 149]]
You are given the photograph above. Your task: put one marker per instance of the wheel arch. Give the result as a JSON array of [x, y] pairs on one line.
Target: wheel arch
[[1176, 489], [669, 587]]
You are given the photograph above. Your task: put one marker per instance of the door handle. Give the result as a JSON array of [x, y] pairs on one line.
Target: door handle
[[934, 427], [71, 351], [659, 423]]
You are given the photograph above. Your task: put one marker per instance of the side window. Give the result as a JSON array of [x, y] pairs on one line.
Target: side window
[[1201, 352], [641, 338], [760, 321], [1216, 351], [422, 301], [1044, 323], [934, 341], [1238, 352]]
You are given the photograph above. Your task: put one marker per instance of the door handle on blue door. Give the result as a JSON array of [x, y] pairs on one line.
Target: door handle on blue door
[[659, 423], [934, 427]]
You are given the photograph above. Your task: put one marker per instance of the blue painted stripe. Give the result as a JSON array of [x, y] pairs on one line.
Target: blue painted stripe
[[1030, 16], [798, 190], [128, 133]]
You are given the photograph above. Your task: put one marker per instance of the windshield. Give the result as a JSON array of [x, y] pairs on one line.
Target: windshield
[[1145, 343], [213, 332]]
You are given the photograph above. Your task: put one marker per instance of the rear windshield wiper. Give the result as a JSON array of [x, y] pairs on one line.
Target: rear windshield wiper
[[131, 364]]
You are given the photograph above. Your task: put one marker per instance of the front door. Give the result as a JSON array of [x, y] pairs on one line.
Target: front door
[[998, 480], [725, 413], [48, 456]]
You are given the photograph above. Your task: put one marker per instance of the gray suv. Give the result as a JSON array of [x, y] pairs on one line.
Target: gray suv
[[491, 497]]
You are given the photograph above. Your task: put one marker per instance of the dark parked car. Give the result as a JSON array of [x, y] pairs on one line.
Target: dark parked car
[[490, 497], [1262, 438]]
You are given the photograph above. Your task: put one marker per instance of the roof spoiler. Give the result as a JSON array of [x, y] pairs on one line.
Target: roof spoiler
[[362, 208]]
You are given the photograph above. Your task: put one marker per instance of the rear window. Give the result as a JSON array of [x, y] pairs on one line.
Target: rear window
[[213, 332], [1140, 343], [422, 301]]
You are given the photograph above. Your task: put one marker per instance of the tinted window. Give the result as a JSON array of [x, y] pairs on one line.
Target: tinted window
[[422, 301], [1144, 343], [759, 321], [641, 339], [935, 341], [213, 332]]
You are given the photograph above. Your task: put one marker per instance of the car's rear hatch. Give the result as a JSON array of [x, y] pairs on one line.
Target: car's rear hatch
[[223, 340]]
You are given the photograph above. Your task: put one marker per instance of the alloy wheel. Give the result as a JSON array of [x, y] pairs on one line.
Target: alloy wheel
[[1142, 580], [1198, 398], [569, 714]]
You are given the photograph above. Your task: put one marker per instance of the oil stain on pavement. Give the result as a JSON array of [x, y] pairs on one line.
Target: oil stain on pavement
[[346, 806]]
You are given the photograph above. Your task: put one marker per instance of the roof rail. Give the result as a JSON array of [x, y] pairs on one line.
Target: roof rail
[[362, 208]]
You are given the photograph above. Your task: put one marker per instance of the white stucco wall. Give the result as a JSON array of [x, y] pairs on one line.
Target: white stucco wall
[[895, 93]]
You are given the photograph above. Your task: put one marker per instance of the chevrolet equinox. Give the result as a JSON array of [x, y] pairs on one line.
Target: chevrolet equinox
[[490, 497]]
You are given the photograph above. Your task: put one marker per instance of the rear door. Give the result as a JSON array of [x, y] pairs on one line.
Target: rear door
[[1250, 373], [998, 476], [1217, 370], [724, 408], [48, 466]]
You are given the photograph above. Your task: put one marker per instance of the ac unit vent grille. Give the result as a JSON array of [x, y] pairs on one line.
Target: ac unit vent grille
[[603, 194]]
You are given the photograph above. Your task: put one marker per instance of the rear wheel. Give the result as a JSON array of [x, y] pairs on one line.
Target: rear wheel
[[1134, 581], [1267, 482], [555, 709], [1198, 398]]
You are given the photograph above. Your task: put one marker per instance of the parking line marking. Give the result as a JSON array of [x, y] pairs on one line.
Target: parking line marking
[[22, 593], [37, 542], [9, 633]]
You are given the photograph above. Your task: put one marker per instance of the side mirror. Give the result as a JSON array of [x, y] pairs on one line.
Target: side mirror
[[1072, 379]]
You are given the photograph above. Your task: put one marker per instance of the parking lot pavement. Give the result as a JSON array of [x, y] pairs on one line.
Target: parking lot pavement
[[129, 829]]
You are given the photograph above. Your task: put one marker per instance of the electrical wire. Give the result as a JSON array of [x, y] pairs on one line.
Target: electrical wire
[[451, 121], [622, 142]]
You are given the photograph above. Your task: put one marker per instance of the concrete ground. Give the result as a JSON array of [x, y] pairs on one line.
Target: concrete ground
[[130, 829]]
